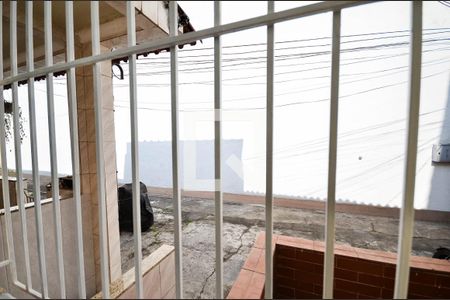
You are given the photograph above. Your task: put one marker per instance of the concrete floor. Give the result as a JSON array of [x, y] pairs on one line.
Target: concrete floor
[[243, 221]]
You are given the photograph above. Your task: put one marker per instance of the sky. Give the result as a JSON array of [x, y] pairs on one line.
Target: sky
[[372, 108]]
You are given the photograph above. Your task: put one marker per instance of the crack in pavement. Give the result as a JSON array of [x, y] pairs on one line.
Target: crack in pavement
[[231, 254], [226, 258], [204, 283]]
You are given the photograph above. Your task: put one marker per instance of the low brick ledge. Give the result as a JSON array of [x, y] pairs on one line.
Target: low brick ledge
[[124, 287], [251, 279]]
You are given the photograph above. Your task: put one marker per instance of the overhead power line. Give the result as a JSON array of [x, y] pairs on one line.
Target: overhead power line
[[182, 57], [305, 54], [227, 80], [291, 103], [425, 30], [291, 57], [290, 63]]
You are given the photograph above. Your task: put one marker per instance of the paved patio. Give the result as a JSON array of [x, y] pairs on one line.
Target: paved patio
[[243, 221]]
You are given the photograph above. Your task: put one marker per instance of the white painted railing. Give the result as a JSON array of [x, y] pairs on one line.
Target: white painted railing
[[269, 20]]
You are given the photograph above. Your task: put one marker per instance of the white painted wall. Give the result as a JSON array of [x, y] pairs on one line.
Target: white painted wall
[[196, 165], [370, 162]]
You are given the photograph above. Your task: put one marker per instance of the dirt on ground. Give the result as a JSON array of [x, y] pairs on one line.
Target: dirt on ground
[[242, 222]]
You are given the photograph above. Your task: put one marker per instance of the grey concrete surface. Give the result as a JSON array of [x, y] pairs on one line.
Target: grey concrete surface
[[242, 222]]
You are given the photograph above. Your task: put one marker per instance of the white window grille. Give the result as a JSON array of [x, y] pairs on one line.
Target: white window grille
[[269, 20]]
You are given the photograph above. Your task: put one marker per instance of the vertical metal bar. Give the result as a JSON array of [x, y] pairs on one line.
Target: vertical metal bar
[[5, 181], [268, 289], [33, 139], [217, 152], [53, 153], [131, 22], [407, 210], [328, 274], [173, 28], [73, 120], [103, 234]]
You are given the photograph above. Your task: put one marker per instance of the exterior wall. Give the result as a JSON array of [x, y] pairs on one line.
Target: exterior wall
[[439, 187], [359, 273], [196, 165], [87, 145], [69, 250]]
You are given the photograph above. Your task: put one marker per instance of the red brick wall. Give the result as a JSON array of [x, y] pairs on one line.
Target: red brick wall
[[359, 273]]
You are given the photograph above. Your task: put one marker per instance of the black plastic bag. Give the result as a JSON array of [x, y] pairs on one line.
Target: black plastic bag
[[442, 253], [125, 196]]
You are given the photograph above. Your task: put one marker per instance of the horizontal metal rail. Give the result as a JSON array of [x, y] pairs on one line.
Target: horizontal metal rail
[[172, 41]]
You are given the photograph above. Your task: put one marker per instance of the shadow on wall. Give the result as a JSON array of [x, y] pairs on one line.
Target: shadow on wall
[[196, 165], [439, 198]]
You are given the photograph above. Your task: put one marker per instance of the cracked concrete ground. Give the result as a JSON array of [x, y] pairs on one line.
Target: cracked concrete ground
[[242, 222]]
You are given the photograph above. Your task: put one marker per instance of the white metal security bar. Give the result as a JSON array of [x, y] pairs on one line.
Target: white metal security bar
[[268, 288], [135, 153], [10, 261], [34, 160], [407, 211], [17, 143], [218, 152], [269, 20], [103, 234], [52, 139], [73, 121], [173, 28], [328, 273]]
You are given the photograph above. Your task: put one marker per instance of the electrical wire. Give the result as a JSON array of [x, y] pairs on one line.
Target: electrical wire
[[426, 30], [292, 103], [279, 57], [344, 135], [349, 142], [256, 76]]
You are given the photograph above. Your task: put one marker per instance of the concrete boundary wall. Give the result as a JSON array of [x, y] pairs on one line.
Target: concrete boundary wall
[[301, 203], [69, 249]]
